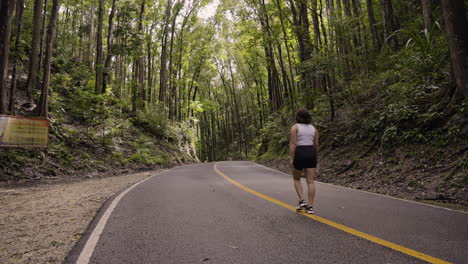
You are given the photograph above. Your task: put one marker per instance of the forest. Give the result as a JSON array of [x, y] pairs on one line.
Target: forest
[[132, 84]]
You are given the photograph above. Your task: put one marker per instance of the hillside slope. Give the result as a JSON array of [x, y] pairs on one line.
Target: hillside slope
[[384, 142], [94, 135], [434, 171]]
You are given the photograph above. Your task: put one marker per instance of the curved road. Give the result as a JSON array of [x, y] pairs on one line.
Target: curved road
[[241, 212]]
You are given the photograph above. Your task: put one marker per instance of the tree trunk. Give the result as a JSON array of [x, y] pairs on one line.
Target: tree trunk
[[331, 51], [134, 85], [149, 58], [389, 23], [64, 24], [373, 26], [163, 68], [6, 15], [149, 70], [106, 77], [91, 36], [99, 67], [33, 59], [19, 29], [318, 39], [75, 46], [356, 5], [172, 91], [141, 59], [42, 41], [293, 90], [181, 83], [427, 14], [80, 55], [301, 27], [273, 76], [286, 81], [457, 37], [48, 59]]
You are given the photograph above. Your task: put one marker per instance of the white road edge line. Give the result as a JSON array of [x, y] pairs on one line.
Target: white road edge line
[[90, 245], [378, 194]]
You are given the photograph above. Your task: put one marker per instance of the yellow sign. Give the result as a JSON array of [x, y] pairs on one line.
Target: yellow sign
[[18, 131]]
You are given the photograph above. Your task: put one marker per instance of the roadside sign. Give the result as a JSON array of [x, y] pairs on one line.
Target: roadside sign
[[16, 131]]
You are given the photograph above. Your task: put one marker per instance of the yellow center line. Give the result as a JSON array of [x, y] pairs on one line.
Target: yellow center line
[[346, 229]]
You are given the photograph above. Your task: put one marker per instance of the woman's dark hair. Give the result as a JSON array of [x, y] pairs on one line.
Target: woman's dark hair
[[303, 116]]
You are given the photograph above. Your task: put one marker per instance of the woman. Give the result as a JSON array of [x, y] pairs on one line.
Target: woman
[[303, 150]]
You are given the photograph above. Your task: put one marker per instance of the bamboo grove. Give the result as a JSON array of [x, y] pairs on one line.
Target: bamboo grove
[[226, 75]]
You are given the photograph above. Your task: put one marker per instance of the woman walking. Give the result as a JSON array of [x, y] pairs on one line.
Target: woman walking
[[303, 150]]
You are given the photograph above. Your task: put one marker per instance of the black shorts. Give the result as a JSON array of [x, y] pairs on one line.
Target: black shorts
[[305, 157]]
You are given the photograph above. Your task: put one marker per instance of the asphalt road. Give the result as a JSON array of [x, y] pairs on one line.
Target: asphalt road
[[192, 214]]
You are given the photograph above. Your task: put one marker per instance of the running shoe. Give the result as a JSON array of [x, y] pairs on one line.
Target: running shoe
[[302, 205], [310, 210]]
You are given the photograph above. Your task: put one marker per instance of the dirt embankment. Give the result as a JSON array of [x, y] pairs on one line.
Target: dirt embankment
[[41, 224]]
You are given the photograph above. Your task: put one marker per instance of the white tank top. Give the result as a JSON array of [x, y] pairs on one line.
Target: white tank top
[[305, 135]]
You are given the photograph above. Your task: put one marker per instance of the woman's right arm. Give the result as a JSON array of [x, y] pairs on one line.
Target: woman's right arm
[[316, 142]]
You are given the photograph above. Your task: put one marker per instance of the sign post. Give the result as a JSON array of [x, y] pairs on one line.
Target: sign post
[[16, 131]]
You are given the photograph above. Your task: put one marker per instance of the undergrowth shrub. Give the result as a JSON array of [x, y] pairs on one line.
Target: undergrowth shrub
[[73, 95], [273, 140], [427, 54], [147, 152], [154, 120]]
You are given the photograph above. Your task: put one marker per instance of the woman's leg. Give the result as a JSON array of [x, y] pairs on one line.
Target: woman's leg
[[297, 183], [310, 176]]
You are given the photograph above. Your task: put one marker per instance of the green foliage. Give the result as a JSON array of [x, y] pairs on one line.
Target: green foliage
[[147, 153], [126, 30], [273, 139], [61, 152], [394, 101], [154, 120], [72, 95], [427, 52]]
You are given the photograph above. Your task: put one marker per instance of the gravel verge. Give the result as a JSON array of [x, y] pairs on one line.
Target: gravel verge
[[41, 224]]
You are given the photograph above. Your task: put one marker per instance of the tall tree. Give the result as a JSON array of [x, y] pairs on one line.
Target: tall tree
[[427, 13], [6, 15], [141, 58], [110, 30], [43, 110], [376, 40], [36, 38], [315, 20], [301, 28], [80, 33], [172, 89], [91, 36], [19, 29], [274, 83], [331, 78], [181, 85], [43, 38], [289, 49], [457, 36], [163, 67], [99, 67], [390, 24]]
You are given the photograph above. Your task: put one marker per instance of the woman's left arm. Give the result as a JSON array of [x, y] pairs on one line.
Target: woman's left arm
[[316, 142], [292, 144]]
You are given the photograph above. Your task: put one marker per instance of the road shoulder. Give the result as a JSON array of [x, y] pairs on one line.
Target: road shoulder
[[41, 224]]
